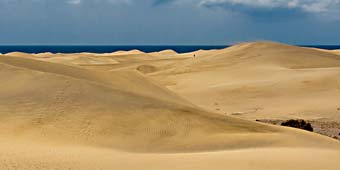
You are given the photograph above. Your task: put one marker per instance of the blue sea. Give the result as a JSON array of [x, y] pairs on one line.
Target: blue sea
[[111, 48]]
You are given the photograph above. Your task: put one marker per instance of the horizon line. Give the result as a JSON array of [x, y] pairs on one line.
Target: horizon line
[[153, 44]]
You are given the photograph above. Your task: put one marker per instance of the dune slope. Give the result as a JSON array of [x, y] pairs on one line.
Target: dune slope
[[86, 108], [260, 80]]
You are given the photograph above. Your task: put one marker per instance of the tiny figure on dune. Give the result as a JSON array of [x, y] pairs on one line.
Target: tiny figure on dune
[[194, 55]]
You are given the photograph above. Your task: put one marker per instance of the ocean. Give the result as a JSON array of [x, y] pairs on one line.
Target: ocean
[[112, 48]]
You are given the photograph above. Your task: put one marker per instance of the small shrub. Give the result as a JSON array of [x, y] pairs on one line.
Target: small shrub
[[301, 124]]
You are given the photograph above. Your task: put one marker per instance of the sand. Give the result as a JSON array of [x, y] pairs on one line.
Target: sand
[[336, 52], [134, 110], [260, 80]]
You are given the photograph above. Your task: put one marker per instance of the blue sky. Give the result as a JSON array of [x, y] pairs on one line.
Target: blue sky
[[159, 22]]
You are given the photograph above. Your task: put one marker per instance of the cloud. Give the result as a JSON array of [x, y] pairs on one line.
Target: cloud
[[74, 2], [161, 2], [77, 2], [273, 6]]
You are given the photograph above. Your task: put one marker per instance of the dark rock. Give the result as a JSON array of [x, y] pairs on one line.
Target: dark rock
[[301, 124]]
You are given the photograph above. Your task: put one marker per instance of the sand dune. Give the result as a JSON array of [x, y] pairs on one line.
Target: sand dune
[[260, 80], [164, 53], [131, 52], [336, 52], [268, 54], [81, 59], [72, 111], [85, 105], [19, 54], [84, 158]]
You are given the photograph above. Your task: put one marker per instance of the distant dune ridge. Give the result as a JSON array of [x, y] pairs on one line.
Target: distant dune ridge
[[336, 52], [136, 111]]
